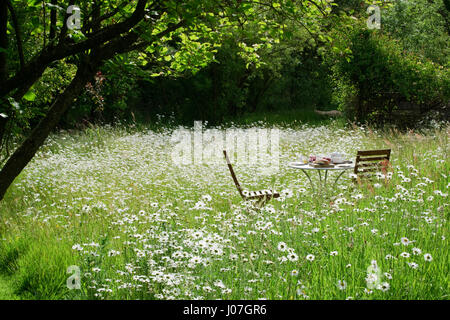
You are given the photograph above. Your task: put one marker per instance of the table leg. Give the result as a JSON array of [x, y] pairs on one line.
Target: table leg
[[335, 181], [309, 178]]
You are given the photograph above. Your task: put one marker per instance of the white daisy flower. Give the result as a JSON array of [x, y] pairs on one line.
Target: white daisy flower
[[341, 284], [282, 246], [427, 257], [405, 254], [310, 257], [384, 286], [292, 256], [405, 241]]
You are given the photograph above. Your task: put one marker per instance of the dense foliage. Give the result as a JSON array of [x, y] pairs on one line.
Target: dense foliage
[[396, 75], [389, 84]]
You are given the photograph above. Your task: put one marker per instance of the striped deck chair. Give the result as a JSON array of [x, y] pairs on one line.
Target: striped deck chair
[[261, 196]]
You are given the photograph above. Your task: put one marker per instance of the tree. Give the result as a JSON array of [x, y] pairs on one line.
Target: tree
[[172, 35]]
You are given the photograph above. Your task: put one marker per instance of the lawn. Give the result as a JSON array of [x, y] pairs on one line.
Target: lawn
[[112, 201]]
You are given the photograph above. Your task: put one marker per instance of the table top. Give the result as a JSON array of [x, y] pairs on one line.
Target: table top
[[307, 166]]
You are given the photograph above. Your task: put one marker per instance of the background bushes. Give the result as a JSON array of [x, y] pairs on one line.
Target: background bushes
[[383, 83], [397, 75]]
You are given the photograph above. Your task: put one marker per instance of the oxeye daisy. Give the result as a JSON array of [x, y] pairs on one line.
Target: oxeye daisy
[[341, 284], [77, 247], [206, 197], [310, 257], [292, 256], [405, 254], [383, 286], [416, 251], [294, 273], [282, 246], [253, 256], [405, 241], [427, 257]]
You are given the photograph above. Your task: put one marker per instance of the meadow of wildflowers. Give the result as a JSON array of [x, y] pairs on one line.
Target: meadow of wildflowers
[[112, 202]]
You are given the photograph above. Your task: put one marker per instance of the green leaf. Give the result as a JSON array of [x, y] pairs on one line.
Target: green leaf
[[14, 103], [30, 96]]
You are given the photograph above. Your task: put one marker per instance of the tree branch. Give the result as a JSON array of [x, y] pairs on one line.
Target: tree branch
[[26, 151], [32, 71], [103, 17], [53, 15], [17, 29], [3, 40]]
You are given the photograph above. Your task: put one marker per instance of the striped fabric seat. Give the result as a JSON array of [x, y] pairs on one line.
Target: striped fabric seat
[[262, 196], [260, 193]]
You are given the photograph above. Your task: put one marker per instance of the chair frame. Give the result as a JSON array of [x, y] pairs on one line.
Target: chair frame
[[369, 161], [261, 197]]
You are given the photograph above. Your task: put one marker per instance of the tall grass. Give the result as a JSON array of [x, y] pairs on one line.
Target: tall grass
[[111, 201]]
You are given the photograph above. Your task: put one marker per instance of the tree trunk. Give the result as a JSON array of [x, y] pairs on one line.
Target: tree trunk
[[3, 38], [3, 65], [53, 16], [20, 158]]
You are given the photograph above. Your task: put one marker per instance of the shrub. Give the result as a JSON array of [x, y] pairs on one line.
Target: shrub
[[382, 83]]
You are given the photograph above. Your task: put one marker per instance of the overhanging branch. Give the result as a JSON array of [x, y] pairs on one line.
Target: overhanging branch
[[17, 31]]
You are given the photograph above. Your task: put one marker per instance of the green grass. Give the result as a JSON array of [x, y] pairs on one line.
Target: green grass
[[285, 118], [6, 291], [112, 201]]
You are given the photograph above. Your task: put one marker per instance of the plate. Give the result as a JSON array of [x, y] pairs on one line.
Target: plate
[[317, 165], [343, 161], [296, 164]]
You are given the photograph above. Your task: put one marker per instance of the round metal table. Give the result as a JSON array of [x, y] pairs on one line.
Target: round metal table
[[305, 167]]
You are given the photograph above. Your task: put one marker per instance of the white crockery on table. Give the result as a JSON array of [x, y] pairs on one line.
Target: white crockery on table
[[337, 157]]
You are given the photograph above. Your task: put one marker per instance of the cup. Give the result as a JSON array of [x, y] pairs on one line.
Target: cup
[[337, 157]]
